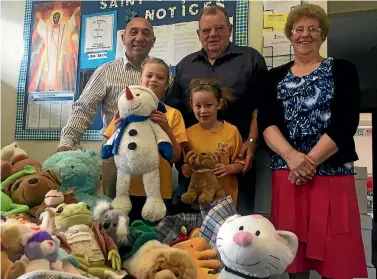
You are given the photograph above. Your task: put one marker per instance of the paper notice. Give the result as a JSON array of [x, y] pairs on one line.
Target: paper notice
[[99, 33], [275, 20], [276, 44], [280, 6]]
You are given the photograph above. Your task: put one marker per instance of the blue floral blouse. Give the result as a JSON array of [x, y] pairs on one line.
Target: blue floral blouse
[[307, 112]]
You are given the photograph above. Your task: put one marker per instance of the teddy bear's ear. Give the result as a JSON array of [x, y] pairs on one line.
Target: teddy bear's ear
[[191, 156], [54, 159], [188, 155], [19, 157], [52, 174]]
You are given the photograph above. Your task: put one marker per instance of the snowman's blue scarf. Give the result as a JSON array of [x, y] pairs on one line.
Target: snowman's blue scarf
[[108, 150]]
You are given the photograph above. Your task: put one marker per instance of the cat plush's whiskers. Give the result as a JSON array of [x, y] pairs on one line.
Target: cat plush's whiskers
[[273, 265], [274, 257]]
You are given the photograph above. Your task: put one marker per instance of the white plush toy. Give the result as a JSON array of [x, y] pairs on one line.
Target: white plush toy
[[249, 246], [136, 147], [10, 151]]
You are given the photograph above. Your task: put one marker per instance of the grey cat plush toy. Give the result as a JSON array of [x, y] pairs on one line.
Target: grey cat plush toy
[[112, 221], [249, 246]]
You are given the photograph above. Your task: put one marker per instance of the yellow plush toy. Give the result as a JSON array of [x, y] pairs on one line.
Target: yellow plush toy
[[204, 257]]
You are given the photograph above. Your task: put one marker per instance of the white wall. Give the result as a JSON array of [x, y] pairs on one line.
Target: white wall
[[12, 18]]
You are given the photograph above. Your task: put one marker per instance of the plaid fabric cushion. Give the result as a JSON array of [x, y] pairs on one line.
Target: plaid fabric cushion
[[214, 216], [170, 226]]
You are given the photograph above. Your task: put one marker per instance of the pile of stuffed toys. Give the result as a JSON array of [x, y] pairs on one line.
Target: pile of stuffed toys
[[54, 221]]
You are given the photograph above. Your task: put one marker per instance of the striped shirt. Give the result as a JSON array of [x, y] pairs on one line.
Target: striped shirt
[[104, 87]]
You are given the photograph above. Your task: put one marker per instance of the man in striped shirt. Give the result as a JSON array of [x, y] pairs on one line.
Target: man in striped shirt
[[104, 88]]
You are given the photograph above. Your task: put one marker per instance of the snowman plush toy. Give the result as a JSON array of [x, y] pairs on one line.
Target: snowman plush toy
[[136, 146]]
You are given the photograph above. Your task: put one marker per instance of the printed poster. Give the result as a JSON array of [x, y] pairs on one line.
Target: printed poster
[[98, 36], [52, 70], [99, 33]]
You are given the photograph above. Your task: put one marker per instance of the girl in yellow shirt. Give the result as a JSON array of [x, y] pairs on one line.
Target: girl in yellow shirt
[[155, 76], [207, 98]]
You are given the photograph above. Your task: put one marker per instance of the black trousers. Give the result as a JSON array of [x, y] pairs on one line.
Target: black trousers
[[246, 192]]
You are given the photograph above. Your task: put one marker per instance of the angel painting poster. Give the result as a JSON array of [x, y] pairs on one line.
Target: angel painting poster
[[54, 47]]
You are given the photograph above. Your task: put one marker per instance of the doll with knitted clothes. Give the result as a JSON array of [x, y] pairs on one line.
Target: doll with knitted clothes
[[207, 99], [155, 76], [94, 249]]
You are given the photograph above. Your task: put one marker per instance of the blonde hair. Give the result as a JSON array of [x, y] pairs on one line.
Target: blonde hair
[[211, 85], [155, 60], [311, 11]]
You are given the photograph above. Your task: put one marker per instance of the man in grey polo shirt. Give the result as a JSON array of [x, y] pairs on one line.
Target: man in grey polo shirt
[[239, 68]]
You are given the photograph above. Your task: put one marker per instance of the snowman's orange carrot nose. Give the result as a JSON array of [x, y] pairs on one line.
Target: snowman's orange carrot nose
[[129, 95]]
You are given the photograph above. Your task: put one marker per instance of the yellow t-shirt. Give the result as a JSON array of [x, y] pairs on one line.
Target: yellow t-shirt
[[177, 124], [226, 143]]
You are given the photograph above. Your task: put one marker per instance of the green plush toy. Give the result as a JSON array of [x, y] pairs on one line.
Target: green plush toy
[[7, 205], [139, 233], [93, 248]]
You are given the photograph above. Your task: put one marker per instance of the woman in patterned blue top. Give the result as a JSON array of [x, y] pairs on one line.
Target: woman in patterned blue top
[[309, 115]]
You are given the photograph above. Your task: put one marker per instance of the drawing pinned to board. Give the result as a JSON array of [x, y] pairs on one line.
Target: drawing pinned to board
[[54, 47], [53, 65]]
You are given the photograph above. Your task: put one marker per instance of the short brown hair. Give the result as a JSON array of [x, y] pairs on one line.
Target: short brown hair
[[212, 10], [155, 60], [311, 11], [212, 85]]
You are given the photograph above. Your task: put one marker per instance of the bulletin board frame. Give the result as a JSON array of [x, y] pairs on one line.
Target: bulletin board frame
[[240, 26]]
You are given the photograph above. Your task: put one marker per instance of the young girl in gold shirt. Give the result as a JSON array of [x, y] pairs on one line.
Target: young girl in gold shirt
[[207, 98]]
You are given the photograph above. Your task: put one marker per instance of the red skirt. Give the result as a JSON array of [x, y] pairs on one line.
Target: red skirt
[[324, 214]]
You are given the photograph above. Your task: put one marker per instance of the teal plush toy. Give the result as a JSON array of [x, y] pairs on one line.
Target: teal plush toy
[[79, 170]]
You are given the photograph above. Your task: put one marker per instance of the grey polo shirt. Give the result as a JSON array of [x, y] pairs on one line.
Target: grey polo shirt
[[239, 68]]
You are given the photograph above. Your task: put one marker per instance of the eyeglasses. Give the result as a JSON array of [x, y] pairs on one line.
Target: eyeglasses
[[311, 29], [218, 28]]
